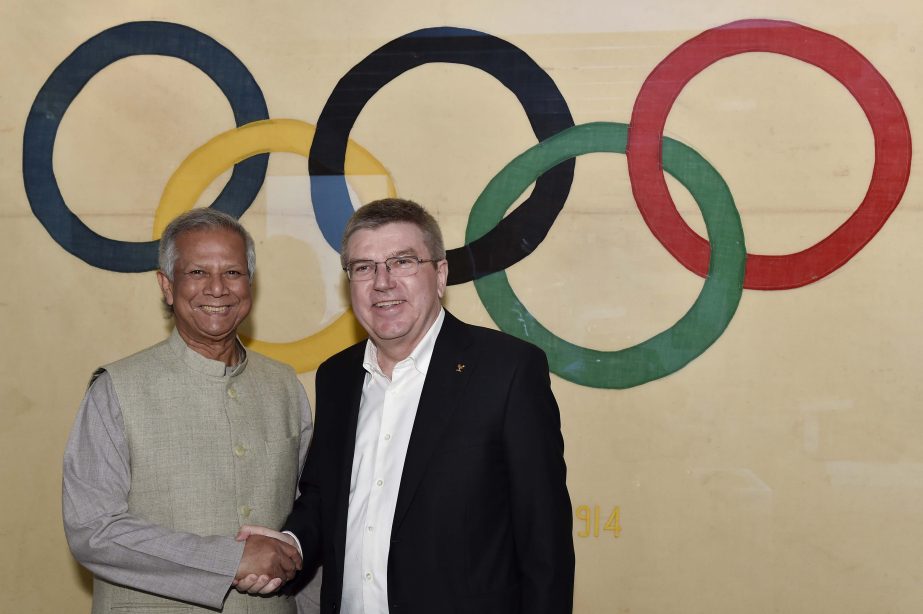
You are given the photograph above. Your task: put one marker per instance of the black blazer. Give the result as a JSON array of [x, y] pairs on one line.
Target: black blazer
[[483, 518]]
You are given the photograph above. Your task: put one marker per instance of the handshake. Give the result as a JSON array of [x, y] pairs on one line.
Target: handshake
[[270, 560]]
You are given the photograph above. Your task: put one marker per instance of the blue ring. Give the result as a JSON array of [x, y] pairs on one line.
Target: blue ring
[[66, 82], [522, 230]]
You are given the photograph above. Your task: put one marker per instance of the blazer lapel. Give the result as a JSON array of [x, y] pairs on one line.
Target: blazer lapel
[[446, 379], [353, 380]]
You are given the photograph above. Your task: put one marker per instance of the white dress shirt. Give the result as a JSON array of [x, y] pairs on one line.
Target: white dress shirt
[[386, 414]]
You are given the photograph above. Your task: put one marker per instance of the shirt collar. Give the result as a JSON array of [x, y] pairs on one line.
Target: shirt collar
[[419, 358], [201, 364]]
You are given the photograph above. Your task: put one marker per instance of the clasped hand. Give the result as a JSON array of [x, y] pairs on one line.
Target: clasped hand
[[270, 560]]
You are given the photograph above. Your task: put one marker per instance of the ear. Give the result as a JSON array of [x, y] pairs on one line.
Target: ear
[[166, 286], [442, 276]]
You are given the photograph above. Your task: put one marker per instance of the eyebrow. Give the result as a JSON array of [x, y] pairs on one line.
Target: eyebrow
[[395, 254], [224, 265], [404, 252]]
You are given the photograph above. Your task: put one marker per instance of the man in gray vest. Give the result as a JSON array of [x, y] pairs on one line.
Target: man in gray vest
[[177, 446]]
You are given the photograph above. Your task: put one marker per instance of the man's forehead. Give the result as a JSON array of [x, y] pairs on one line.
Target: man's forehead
[[394, 239], [196, 235], [197, 238]]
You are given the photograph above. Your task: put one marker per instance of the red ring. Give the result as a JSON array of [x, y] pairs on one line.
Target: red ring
[[881, 106]]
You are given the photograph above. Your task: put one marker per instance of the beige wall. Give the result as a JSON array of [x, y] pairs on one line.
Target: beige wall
[[780, 471]]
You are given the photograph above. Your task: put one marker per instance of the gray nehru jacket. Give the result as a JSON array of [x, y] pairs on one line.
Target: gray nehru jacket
[[170, 453]]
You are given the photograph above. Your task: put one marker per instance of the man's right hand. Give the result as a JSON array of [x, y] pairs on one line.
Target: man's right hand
[[267, 564]]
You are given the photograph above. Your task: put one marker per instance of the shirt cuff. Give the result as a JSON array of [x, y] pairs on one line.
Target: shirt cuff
[[297, 543]]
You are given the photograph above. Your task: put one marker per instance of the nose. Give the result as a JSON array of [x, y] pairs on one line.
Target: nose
[[382, 279], [216, 285]]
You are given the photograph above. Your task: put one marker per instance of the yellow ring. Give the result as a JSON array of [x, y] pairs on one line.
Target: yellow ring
[[204, 164], [306, 354]]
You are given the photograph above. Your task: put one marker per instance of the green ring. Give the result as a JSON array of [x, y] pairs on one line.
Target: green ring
[[665, 352]]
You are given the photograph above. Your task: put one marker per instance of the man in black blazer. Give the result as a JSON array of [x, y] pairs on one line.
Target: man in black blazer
[[435, 482]]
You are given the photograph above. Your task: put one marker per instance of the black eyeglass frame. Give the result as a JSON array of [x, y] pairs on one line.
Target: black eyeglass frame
[[389, 264]]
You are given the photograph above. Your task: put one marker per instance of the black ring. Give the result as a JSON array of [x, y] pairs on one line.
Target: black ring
[[66, 82], [522, 230]]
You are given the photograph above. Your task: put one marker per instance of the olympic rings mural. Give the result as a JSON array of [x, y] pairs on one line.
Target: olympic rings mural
[[492, 242]]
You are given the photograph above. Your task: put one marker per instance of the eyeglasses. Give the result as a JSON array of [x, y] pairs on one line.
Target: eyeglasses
[[398, 266]]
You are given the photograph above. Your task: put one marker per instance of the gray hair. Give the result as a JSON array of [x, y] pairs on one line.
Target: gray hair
[[393, 210], [197, 220]]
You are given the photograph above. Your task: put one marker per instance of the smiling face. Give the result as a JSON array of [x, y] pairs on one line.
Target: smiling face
[[396, 311], [210, 291]]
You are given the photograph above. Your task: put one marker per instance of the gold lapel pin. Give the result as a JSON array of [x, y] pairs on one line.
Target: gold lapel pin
[[459, 368]]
